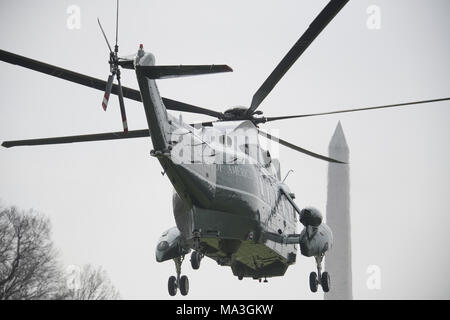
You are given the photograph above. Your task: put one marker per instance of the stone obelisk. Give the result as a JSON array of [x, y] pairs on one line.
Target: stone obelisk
[[338, 261]]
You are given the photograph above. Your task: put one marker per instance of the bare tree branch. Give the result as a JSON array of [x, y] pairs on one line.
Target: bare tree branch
[[28, 265], [94, 284]]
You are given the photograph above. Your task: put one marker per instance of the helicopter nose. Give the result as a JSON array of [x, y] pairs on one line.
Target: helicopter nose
[[198, 181]]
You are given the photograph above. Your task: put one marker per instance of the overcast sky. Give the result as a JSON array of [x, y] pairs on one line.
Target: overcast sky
[[108, 202]]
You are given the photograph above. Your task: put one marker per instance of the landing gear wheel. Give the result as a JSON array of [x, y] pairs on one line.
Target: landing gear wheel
[[313, 282], [325, 282], [184, 285], [240, 277], [196, 257], [172, 285], [178, 282]]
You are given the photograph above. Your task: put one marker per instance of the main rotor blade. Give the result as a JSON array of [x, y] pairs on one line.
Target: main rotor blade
[[185, 107], [314, 29], [296, 148], [104, 35], [65, 74], [97, 83], [80, 138], [122, 107], [353, 110]]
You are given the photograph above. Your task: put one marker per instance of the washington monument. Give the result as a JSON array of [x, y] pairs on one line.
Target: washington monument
[[338, 262]]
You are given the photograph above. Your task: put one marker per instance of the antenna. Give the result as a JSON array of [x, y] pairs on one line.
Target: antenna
[[287, 174], [117, 24]]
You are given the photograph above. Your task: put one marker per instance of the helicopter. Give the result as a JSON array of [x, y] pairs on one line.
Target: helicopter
[[230, 202]]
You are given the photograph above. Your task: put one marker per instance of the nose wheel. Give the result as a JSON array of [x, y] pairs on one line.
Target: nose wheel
[[196, 258], [172, 286], [319, 278], [178, 282]]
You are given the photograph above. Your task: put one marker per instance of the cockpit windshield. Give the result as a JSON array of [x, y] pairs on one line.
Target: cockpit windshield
[[242, 139]]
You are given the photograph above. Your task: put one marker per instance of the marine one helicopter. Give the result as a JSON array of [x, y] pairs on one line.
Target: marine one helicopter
[[230, 203]]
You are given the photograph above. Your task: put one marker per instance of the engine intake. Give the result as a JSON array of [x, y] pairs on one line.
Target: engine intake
[[310, 217]]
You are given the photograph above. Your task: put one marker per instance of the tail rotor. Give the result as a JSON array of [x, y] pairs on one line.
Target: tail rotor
[[114, 64]]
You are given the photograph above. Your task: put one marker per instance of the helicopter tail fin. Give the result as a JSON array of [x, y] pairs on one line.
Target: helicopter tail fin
[[165, 72]]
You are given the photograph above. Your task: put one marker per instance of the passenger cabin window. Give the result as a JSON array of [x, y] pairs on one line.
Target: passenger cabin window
[[266, 158], [245, 148], [226, 140]]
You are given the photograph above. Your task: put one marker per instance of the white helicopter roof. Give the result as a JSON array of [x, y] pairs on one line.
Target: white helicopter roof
[[228, 126]]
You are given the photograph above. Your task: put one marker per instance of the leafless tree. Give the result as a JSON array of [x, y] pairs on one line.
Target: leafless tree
[[29, 266], [28, 261], [92, 284]]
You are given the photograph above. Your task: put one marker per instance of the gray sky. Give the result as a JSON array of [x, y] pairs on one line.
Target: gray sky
[[108, 202]]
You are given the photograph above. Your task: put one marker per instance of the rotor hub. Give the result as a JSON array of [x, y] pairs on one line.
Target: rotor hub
[[240, 113]]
